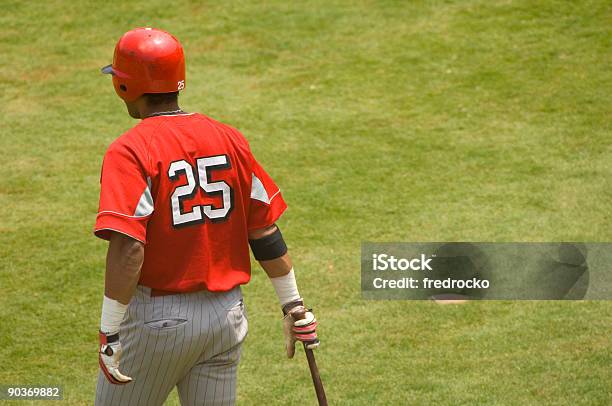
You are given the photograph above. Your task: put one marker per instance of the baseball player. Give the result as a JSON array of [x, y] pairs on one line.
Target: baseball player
[[181, 200]]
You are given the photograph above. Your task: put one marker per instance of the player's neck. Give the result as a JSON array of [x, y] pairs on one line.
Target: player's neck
[[160, 109]]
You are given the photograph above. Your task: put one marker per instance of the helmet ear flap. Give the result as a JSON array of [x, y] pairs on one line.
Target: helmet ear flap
[[127, 91]]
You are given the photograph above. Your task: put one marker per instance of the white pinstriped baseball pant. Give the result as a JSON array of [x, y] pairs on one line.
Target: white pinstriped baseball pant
[[191, 341]]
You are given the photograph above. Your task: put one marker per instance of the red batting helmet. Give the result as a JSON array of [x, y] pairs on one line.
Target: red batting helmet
[[147, 60]]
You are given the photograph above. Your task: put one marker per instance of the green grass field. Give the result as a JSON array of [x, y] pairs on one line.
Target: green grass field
[[381, 121]]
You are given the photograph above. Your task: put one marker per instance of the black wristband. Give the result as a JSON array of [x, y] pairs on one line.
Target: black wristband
[[271, 246]]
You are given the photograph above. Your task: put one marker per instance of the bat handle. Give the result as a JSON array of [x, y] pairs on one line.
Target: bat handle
[[316, 378]]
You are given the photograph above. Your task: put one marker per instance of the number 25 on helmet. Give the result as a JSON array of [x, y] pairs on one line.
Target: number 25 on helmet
[[147, 60]]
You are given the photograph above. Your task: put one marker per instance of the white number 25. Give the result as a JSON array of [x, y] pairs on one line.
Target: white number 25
[[204, 167]]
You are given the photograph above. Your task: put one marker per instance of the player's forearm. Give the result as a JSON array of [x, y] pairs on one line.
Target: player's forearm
[[270, 250], [277, 267], [123, 262], [280, 272]]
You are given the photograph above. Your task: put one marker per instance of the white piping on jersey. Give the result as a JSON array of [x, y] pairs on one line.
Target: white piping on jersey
[[274, 195], [120, 232], [121, 214]]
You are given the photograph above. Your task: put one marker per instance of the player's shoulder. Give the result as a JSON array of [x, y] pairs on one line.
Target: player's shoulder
[[224, 128], [132, 140]]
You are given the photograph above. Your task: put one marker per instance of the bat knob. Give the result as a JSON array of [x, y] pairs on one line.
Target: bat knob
[[299, 314]]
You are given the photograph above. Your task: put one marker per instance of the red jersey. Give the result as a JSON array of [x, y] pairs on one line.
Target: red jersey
[[190, 189]]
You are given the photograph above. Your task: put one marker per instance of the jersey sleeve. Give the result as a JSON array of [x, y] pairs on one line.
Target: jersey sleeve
[[126, 203], [267, 203]]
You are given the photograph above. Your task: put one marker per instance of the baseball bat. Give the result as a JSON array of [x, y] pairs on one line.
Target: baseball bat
[[312, 364], [316, 378]]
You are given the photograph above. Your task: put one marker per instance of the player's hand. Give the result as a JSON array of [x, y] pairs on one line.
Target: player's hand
[[299, 324], [109, 356]]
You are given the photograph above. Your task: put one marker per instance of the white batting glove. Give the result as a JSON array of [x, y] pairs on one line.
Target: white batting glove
[[299, 324], [109, 356]]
